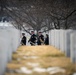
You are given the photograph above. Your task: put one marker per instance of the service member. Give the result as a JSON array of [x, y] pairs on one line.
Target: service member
[[32, 39], [40, 39], [23, 41]]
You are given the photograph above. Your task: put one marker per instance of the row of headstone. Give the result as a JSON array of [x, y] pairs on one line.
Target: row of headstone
[[9, 42], [64, 41]]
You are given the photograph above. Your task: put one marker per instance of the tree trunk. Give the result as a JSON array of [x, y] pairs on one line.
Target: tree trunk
[[66, 26]]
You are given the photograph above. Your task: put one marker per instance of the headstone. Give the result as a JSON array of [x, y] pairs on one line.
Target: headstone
[[57, 38], [67, 42], [15, 38], [7, 43], [52, 37], [62, 40], [73, 47], [4, 49]]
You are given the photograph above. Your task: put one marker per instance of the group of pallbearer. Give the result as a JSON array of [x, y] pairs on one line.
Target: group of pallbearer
[[35, 39]]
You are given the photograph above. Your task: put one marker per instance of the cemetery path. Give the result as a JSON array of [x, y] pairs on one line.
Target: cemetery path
[[39, 60]]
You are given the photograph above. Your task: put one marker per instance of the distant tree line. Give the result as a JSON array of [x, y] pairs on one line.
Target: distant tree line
[[39, 14]]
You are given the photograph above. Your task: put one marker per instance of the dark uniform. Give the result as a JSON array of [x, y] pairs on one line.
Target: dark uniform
[[32, 39], [47, 40], [23, 41], [40, 40]]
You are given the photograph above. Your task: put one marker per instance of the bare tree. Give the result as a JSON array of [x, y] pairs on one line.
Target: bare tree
[[40, 14]]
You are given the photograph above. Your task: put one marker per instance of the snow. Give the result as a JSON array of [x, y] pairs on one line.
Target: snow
[[39, 70], [53, 70], [74, 74], [33, 64], [25, 70]]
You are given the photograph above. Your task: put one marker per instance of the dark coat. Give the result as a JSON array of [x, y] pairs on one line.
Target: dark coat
[[41, 37], [32, 39], [23, 41], [47, 41]]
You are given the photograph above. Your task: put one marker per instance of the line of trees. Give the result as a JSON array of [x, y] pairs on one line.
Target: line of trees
[[40, 14]]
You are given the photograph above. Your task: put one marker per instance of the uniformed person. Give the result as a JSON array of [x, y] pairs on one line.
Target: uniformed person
[[40, 40], [47, 39], [23, 41], [32, 39]]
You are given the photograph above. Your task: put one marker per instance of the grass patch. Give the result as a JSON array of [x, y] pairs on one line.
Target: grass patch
[[54, 55], [48, 57]]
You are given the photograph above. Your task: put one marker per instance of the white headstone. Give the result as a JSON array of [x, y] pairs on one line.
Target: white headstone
[[15, 38], [9, 41], [62, 40], [52, 37], [57, 39], [67, 42], [73, 47], [4, 50]]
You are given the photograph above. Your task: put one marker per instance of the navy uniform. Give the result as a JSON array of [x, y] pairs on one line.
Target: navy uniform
[[47, 40], [32, 39], [40, 40], [23, 41]]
